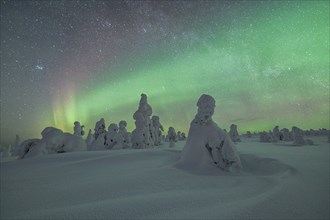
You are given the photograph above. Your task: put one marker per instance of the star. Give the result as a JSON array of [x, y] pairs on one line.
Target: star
[[39, 67]]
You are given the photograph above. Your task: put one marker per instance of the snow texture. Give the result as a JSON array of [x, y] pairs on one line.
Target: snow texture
[[276, 182]]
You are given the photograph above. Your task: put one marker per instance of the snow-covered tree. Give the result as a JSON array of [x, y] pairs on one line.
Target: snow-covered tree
[[286, 135], [89, 139], [298, 137], [125, 135], [57, 141], [112, 137], [78, 129], [53, 141], [233, 133], [265, 137], [99, 141], [99, 128], [172, 138], [157, 130], [29, 148], [183, 136], [178, 135], [141, 136], [207, 144], [276, 134]]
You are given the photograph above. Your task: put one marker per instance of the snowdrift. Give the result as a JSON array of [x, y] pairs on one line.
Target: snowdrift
[[276, 182]]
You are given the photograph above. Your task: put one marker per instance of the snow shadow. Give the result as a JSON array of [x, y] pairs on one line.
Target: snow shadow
[[259, 166], [252, 166]]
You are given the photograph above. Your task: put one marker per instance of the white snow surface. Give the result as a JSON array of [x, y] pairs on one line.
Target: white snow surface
[[277, 181]]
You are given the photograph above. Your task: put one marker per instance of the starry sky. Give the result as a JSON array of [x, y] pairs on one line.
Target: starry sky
[[265, 62]]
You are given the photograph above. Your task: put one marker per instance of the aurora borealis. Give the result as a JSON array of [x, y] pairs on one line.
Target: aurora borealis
[[265, 62]]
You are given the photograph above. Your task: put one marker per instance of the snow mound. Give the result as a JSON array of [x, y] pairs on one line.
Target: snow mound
[[252, 165], [53, 141], [255, 165]]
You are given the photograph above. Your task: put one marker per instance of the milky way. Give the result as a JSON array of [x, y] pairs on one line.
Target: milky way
[[265, 63]]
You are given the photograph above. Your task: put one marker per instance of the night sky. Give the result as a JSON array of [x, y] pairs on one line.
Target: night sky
[[265, 63]]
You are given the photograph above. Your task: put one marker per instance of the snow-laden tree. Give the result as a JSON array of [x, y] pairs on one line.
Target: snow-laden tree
[[208, 145], [99, 141], [276, 134], [286, 135], [141, 136], [233, 133], [78, 129], [125, 135], [178, 135], [99, 128], [112, 137], [53, 141], [172, 138], [298, 137], [89, 139], [157, 130]]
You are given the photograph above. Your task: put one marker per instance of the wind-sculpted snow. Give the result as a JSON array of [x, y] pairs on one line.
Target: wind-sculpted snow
[[146, 184], [253, 166]]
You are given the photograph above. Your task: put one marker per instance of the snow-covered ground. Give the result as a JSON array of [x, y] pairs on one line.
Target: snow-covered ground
[[277, 182]]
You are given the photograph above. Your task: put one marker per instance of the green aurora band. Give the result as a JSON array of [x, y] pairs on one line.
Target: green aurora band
[[265, 66], [267, 71]]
